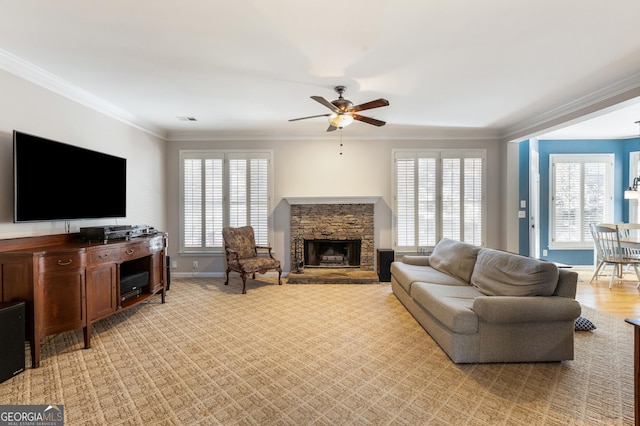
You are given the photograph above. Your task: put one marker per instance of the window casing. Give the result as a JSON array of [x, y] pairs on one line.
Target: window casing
[[581, 194], [634, 171], [438, 194], [223, 188]]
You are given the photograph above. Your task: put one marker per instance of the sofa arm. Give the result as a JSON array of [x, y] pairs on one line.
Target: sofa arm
[[416, 260], [510, 309], [567, 283]]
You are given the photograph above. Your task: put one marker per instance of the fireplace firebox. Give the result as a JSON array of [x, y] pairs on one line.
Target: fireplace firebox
[[332, 253]]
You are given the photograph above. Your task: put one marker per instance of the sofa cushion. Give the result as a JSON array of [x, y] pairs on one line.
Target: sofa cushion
[[406, 274], [454, 258], [499, 273], [451, 305]]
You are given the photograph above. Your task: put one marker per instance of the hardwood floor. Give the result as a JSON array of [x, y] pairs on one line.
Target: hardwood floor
[[623, 300]]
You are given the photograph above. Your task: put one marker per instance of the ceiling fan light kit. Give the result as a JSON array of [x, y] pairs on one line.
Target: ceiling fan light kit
[[340, 120], [343, 111]]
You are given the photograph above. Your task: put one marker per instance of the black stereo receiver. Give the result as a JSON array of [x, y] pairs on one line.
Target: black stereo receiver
[[106, 233]]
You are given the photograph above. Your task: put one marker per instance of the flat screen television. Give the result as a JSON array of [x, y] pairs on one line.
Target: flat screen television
[[57, 181]]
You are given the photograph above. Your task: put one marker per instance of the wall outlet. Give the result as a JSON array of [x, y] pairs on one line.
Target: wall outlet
[[545, 253], [174, 264], [195, 264]]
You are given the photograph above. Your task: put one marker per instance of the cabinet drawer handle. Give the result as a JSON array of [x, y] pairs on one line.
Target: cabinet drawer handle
[[130, 252], [104, 256], [61, 263]]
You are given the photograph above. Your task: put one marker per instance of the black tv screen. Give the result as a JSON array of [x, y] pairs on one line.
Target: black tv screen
[[56, 181]]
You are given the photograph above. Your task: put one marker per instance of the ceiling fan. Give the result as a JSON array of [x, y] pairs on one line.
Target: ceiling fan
[[343, 112]]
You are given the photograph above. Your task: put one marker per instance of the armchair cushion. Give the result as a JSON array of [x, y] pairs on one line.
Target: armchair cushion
[[258, 264], [240, 241]]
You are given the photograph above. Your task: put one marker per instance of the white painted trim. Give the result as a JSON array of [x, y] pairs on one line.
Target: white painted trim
[[45, 79], [619, 91], [395, 132], [333, 200]]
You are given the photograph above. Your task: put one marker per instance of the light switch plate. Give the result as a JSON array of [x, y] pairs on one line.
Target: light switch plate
[[522, 214]]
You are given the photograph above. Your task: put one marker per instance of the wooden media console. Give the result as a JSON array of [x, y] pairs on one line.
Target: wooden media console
[[69, 284]]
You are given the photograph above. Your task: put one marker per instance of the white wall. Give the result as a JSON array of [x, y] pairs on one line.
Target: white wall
[[32, 109], [316, 168]]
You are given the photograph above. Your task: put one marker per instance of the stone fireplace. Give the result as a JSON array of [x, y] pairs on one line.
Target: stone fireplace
[[332, 232]]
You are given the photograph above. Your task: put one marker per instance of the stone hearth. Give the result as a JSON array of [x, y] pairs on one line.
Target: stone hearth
[[334, 276]]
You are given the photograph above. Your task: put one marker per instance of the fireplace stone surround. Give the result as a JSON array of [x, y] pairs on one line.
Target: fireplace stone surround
[[333, 218]]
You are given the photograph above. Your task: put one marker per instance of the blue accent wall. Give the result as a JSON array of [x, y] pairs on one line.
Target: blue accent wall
[[621, 150]]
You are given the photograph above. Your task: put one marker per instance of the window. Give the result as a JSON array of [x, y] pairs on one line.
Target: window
[[221, 189], [581, 194], [438, 194]]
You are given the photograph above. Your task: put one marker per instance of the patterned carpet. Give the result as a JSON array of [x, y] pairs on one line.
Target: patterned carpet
[[311, 355]]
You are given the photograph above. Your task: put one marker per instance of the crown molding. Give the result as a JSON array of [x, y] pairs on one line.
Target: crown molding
[[26, 70], [389, 133], [615, 93]]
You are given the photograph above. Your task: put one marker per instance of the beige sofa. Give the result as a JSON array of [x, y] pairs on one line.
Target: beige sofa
[[483, 305]]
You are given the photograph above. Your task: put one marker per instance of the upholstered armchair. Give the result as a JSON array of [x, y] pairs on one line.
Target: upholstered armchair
[[242, 255]]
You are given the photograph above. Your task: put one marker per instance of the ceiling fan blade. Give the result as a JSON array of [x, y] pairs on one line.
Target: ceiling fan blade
[[326, 103], [369, 120], [311, 116], [369, 105], [331, 128]]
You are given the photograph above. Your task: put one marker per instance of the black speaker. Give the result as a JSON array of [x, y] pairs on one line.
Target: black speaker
[[12, 325], [385, 258]]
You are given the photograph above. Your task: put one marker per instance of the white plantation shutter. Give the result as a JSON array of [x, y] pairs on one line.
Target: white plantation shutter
[[214, 205], [581, 194], [451, 198], [249, 193], [223, 189], [237, 192], [405, 201], [427, 202], [473, 200], [192, 202], [595, 196], [259, 195], [438, 194]]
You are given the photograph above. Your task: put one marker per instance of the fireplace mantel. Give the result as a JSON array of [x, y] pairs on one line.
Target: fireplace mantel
[[333, 200]]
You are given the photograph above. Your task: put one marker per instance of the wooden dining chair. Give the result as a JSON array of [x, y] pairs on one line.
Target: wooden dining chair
[[609, 247], [599, 261], [630, 234], [630, 231]]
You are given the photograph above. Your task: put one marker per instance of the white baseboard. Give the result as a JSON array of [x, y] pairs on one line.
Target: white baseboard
[[217, 274]]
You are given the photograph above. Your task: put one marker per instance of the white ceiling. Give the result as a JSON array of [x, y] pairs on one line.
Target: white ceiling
[[245, 67]]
